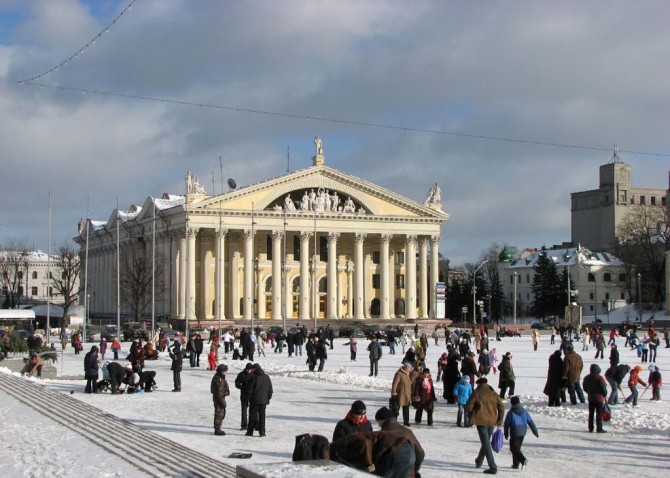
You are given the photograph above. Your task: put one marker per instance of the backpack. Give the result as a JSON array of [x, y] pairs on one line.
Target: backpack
[[311, 447]]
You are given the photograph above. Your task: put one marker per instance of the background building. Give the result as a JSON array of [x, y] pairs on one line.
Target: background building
[[316, 241], [598, 277], [596, 214]]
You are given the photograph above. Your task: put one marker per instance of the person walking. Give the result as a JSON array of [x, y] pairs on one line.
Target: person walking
[[321, 353], [517, 422], [600, 346], [655, 380], [310, 349], [375, 349], [614, 356], [353, 348], [199, 347], [572, 371], [507, 379], [486, 411], [220, 390], [462, 393], [424, 390], [103, 348], [554, 384], [177, 356], [401, 392], [244, 382], [535, 335], [596, 390], [261, 394]]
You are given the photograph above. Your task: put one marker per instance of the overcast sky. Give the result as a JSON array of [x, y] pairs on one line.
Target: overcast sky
[[591, 74]]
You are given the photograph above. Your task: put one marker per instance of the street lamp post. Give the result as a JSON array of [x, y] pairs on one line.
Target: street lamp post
[[595, 295], [515, 281], [474, 291], [639, 294]]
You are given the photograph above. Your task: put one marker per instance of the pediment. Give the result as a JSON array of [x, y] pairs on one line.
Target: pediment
[[321, 189]]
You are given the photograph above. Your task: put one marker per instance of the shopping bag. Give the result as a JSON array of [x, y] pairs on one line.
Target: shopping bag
[[497, 440], [607, 412]]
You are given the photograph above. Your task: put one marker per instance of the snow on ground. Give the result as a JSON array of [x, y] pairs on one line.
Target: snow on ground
[[311, 402]]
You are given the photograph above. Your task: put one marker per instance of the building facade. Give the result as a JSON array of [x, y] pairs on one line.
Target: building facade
[[596, 214], [314, 242], [27, 274], [598, 279]]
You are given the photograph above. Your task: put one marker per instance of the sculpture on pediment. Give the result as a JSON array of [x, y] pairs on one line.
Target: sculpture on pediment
[[434, 197], [334, 201], [320, 201], [326, 197], [193, 186], [289, 205], [318, 145], [349, 205], [304, 204]]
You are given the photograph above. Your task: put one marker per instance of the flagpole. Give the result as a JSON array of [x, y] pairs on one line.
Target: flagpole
[[118, 270], [88, 207], [153, 273]]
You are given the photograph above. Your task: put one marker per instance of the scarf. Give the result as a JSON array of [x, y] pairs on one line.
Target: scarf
[[358, 420]]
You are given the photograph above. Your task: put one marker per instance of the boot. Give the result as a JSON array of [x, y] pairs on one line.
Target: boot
[[219, 432]]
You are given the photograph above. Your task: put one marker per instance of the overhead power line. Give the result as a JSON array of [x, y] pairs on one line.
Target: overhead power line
[[340, 121], [75, 55]]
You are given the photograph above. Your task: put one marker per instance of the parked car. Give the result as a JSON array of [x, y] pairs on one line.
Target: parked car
[[539, 326], [109, 332], [134, 330]]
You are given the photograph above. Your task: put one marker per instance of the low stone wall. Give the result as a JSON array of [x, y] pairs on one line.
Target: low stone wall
[[16, 365]]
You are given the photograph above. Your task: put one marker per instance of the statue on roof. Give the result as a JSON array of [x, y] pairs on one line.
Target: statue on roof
[[193, 186], [318, 145], [434, 196]]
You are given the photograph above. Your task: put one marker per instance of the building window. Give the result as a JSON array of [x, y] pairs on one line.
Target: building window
[[622, 277], [400, 281], [528, 278], [643, 200], [592, 277], [664, 201], [653, 200], [20, 290], [33, 291], [623, 296], [19, 275], [607, 277], [268, 247], [400, 257], [376, 257], [34, 274], [591, 296], [323, 248], [511, 279], [591, 308], [376, 281], [4, 290], [632, 198], [607, 296]]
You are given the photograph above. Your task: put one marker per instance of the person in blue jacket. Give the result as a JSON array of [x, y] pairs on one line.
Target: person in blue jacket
[[462, 392], [517, 422]]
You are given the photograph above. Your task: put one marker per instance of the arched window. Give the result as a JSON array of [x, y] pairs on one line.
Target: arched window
[[399, 307], [34, 274]]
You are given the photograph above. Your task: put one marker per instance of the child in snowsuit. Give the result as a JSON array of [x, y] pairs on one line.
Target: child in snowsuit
[[517, 422], [211, 358], [462, 392], [656, 382]]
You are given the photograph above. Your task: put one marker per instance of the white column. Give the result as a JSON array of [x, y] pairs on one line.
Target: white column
[[303, 310], [384, 282], [248, 275], [410, 276], [359, 271], [276, 275], [205, 295], [189, 306], [392, 285], [434, 272], [182, 275], [350, 289], [333, 310], [423, 276], [219, 273]]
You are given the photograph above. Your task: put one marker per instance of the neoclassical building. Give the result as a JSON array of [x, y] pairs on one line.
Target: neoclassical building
[[316, 241]]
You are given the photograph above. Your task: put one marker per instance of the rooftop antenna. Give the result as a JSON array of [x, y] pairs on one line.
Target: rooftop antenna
[[213, 183], [615, 156], [221, 169], [288, 159]]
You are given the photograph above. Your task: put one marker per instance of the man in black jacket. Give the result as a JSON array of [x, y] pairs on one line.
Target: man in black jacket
[[244, 382], [117, 373], [614, 376], [356, 421], [177, 357], [261, 394]]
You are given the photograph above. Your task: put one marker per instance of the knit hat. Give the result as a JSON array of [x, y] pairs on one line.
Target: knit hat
[[223, 368], [481, 380], [514, 400], [358, 408], [466, 378], [383, 414]]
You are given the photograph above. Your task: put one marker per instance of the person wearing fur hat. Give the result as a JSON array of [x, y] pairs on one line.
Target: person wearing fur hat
[[633, 380], [220, 391], [356, 421], [261, 394], [596, 390]]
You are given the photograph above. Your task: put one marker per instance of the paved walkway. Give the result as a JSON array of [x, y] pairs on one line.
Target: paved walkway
[[156, 456]]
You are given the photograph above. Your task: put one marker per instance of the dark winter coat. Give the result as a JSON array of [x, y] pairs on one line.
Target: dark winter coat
[[91, 365], [506, 372], [594, 385], [177, 356], [244, 382], [117, 371], [426, 397], [469, 367], [617, 373], [375, 350], [199, 344], [391, 425], [517, 422], [321, 351], [614, 357], [554, 375], [261, 392], [349, 425]]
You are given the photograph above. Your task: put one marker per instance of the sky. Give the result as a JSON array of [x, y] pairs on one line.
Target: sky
[[410, 91], [313, 402]]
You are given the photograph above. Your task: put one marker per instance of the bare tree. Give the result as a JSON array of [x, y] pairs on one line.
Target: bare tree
[[136, 278], [646, 230], [13, 265], [66, 281]]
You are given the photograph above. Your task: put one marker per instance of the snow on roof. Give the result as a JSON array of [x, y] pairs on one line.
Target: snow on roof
[[167, 202], [566, 256]]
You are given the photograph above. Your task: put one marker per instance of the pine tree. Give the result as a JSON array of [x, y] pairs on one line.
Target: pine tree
[[547, 288]]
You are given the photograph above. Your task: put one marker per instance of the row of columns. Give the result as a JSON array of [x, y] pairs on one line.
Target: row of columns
[[356, 304]]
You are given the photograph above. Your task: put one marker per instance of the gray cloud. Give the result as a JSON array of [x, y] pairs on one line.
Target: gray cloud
[[568, 72]]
